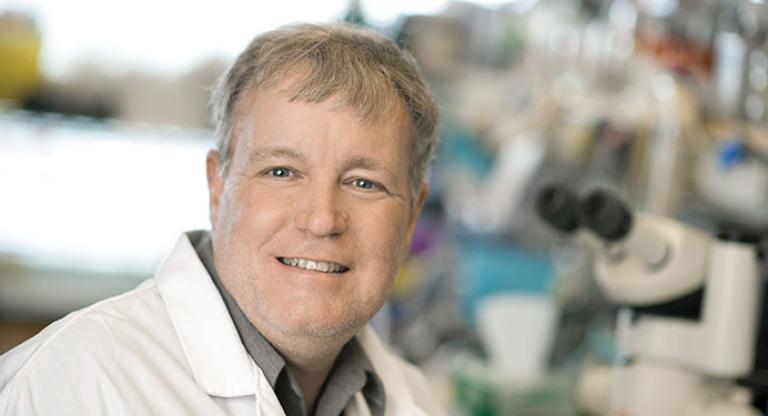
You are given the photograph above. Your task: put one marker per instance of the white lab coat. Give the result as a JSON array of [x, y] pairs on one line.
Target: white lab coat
[[168, 347]]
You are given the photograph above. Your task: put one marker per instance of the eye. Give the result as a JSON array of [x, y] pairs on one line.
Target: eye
[[280, 172], [364, 184]]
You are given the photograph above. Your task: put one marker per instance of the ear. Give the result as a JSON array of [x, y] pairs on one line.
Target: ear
[[416, 210], [215, 184]]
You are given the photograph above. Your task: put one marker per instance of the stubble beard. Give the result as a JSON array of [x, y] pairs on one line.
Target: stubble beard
[[282, 319]]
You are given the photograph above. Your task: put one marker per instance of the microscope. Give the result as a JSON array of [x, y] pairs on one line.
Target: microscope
[[694, 302]]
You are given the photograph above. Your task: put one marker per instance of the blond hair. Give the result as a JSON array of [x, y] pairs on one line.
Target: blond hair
[[361, 68]]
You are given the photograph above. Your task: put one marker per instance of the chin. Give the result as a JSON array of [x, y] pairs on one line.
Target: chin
[[310, 329], [315, 324]]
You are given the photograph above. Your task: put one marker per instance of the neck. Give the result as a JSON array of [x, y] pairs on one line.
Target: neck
[[309, 361]]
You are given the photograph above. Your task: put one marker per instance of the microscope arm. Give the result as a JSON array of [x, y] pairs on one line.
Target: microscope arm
[[721, 343]]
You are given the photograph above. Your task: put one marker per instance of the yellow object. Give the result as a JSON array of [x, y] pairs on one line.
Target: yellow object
[[19, 57]]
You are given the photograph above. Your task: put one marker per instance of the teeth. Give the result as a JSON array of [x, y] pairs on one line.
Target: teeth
[[317, 266]]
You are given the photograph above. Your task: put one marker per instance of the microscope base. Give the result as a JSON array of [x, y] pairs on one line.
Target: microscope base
[[647, 388]]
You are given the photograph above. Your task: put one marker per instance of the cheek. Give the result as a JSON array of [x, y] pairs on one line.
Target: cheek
[[384, 233], [244, 211], [246, 222]]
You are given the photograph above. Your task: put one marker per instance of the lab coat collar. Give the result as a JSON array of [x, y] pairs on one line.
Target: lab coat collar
[[220, 364]]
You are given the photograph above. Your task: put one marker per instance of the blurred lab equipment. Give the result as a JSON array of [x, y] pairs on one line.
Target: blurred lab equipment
[[695, 300], [502, 318], [20, 46]]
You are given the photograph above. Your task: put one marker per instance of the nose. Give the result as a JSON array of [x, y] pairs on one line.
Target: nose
[[320, 213]]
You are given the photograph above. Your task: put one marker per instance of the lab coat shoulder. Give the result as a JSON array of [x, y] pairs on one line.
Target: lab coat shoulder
[[91, 361]]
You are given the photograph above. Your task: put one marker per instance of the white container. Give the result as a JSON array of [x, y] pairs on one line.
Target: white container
[[518, 330]]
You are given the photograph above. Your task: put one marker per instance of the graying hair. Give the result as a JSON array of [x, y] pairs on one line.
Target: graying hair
[[361, 68]]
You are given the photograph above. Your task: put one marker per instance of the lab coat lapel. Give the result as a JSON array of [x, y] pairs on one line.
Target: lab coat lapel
[[398, 395], [219, 361]]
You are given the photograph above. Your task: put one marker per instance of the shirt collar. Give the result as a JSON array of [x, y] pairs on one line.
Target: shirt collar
[[352, 373]]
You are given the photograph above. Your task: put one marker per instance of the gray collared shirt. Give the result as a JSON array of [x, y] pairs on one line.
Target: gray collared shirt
[[351, 373]]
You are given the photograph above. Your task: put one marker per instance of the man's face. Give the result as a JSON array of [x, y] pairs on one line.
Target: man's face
[[315, 215]]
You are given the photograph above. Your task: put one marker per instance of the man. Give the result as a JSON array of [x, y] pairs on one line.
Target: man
[[324, 136]]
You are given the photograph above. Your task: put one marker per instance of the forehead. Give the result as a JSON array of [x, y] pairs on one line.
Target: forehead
[[258, 107]]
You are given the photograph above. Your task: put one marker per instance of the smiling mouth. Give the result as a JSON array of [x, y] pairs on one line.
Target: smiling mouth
[[313, 265]]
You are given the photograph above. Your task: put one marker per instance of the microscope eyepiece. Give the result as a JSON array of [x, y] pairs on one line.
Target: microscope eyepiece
[[606, 215], [559, 207]]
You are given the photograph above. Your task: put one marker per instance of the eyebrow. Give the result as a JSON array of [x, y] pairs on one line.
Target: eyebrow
[[264, 153]]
